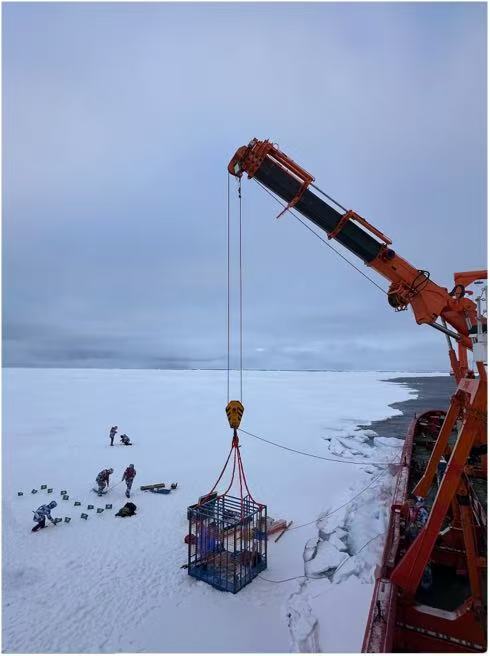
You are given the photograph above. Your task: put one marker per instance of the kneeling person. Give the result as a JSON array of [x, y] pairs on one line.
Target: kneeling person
[[41, 514]]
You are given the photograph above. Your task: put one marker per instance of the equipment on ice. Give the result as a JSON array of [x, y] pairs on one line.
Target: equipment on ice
[[128, 510], [153, 486], [283, 531], [159, 488]]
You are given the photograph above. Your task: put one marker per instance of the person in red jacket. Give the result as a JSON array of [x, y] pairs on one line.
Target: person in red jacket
[[128, 476]]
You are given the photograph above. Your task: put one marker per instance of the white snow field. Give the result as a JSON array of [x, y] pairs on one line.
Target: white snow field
[[109, 584]]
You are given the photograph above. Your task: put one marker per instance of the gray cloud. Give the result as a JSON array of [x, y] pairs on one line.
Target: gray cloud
[[119, 120]]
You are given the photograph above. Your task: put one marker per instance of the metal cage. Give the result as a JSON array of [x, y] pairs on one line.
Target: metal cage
[[227, 543]]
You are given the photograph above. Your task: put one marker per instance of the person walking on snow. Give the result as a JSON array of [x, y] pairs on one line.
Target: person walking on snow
[[112, 434], [102, 480], [40, 516], [128, 476]]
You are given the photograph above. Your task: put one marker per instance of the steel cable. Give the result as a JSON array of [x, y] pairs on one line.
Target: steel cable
[[347, 503], [228, 292], [322, 239], [313, 455], [241, 287], [316, 578]]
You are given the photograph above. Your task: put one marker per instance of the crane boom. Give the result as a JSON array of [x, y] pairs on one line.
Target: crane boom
[[263, 161]]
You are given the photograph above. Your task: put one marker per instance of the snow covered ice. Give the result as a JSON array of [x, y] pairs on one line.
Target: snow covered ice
[[108, 584]]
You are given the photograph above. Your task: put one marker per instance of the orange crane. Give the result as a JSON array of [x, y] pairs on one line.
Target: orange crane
[[459, 320]]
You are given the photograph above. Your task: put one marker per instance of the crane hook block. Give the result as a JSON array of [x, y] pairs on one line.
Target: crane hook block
[[234, 412]]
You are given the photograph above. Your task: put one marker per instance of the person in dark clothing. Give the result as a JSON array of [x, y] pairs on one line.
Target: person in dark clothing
[[128, 476], [441, 468], [426, 581], [125, 440], [128, 510], [112, 434], [41, 514]]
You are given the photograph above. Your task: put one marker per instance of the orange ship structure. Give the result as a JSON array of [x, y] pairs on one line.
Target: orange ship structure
[[444, 459]]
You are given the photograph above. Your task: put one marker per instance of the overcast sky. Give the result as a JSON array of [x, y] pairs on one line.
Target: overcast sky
[[119, 121]]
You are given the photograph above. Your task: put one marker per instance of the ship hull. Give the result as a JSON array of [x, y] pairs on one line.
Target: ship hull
[[398, 624]]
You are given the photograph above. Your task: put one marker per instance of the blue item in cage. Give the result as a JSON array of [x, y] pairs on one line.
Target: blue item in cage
[[229, 546]]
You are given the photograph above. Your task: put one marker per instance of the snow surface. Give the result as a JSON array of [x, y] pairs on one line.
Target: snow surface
[[109, 584]]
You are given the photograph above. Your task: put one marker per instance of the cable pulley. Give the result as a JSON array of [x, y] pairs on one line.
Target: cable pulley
[[234, 412]]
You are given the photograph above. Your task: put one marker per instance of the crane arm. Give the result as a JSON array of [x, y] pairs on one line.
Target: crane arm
[[263, 161]]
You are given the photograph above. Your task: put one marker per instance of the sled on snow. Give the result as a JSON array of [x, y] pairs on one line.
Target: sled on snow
[[283, 531], [272, 526]]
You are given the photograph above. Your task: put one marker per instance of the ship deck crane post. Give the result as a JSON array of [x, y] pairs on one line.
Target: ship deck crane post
[[430, 302]]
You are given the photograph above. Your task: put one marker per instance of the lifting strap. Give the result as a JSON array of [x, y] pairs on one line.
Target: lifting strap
[[237, 466]]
